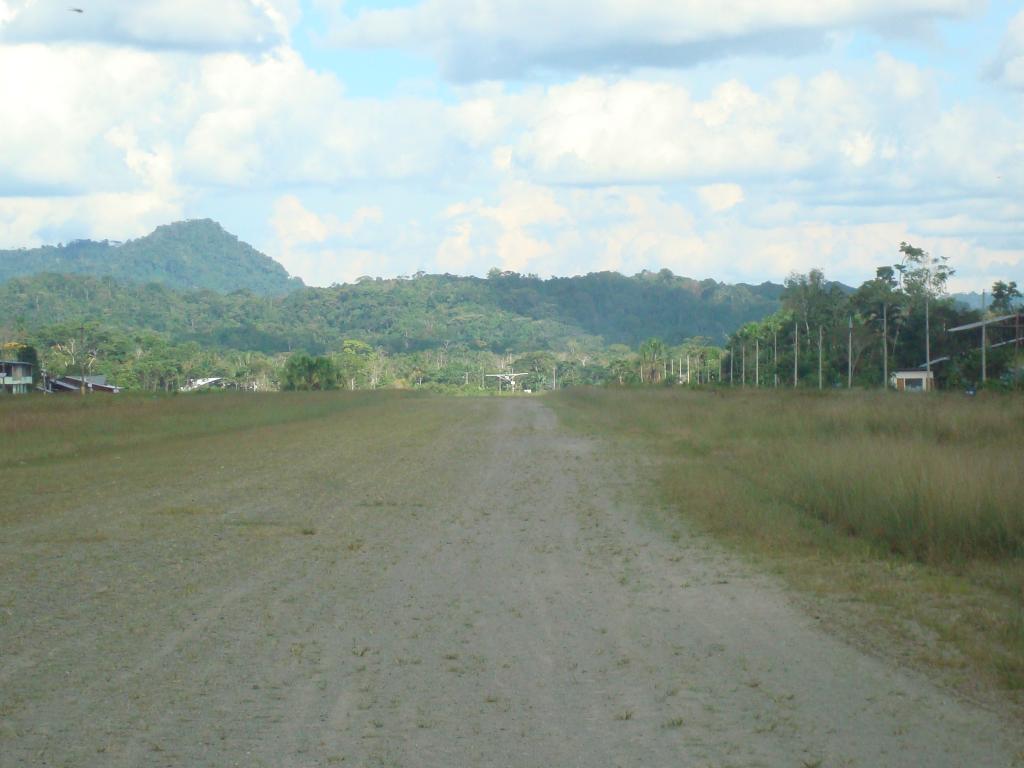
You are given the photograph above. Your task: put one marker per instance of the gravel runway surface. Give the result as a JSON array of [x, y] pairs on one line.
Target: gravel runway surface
[[474, 586]]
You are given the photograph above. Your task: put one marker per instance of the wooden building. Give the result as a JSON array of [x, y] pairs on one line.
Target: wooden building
[[913, 380], [15, 377]]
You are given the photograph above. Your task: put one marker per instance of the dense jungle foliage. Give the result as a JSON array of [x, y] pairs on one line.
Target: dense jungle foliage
[[132, 320]]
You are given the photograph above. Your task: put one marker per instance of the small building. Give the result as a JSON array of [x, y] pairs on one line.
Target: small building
[[73, 385], [913, 380], [15, 377]]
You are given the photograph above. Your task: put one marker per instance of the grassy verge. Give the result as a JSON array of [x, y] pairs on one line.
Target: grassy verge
[[37, 428], [904, 515]]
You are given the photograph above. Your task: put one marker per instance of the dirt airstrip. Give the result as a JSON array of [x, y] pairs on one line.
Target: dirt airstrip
[[437, 583]]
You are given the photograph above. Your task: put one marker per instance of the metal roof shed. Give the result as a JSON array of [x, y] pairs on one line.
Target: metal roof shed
[[913, 380], [1013, 321]]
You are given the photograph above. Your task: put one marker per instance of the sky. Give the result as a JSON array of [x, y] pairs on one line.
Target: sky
[[739, 140]]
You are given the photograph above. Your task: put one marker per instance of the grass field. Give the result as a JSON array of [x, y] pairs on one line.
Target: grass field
[[915, 504], [35, 429]]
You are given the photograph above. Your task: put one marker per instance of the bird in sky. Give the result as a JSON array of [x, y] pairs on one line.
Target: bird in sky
[[76, 10]]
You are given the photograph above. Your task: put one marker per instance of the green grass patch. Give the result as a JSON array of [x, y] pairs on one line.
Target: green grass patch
[[39, 428]]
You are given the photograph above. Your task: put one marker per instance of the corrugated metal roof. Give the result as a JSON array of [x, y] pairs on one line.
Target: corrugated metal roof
[[1005, 343], [980, 323]]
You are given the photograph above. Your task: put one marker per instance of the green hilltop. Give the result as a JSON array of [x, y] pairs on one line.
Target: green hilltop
[[187, 255]]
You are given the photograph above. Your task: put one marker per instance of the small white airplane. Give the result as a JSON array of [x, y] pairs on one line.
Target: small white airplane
[[507, 378]]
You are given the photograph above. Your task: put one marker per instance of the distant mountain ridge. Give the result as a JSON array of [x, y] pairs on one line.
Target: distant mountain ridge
[[503, 313], [196, 254], [195, 282]]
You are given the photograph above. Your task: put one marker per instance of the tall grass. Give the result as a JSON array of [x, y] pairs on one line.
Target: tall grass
[[939, 479], [914, 503]]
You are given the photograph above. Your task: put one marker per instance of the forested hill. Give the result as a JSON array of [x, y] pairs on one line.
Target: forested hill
[[188, 255], [504, 312]]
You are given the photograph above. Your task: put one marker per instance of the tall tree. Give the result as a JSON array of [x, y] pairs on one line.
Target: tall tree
[[878, 303], [924, 277], [302, 371], [1003, 295], [652, 358]]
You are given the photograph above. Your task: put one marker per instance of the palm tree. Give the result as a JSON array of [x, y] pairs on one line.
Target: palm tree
[[652, 355]]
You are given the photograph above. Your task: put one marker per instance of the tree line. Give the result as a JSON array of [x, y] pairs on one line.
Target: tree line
[[447, 334], [826, 336]]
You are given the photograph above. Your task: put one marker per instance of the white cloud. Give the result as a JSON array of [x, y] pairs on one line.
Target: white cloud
[[502, 158], [858, 148], [295, 225], [155, 24], [513, 224], [31, 221], [320, 248], [595, 130], [98, 120], [456, 252], [530, 228], [81, 151], [53, 134], [903, 80], [1008, 66], [721, 197], [880, 133], [509, 38], [636, 228], [745, 180]]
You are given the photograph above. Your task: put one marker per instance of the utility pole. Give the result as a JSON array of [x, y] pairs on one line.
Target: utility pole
[[687, 370], [885, 345], [730, 366], [719, 367], [984, 344], [775, 357], [927, 336], [757, 363], [554, 379], [81, 360], [743, 364], [849, 356], [821, 383], [1016, 350], [796, 353]]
